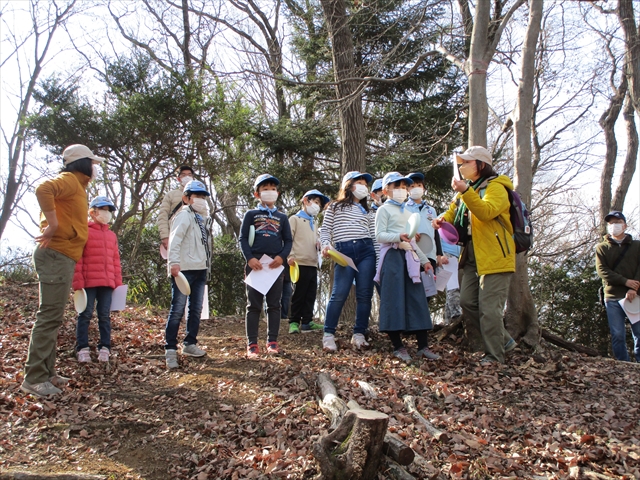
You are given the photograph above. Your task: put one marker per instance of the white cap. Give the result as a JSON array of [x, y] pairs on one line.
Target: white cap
[[476, 153], [76, 152]]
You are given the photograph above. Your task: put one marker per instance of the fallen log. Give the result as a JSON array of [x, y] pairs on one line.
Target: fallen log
[[396, 472], [332, 406], [397, 450], [439, 435], [567, 345], [446, 331]]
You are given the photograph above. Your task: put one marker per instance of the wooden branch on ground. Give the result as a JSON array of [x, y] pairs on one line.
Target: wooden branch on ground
[[396, 472], [332, 406], [574, 347], [439, 435], [446, 331], [49, 476]]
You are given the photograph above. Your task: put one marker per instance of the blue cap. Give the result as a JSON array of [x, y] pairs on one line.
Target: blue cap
[[354, 176], [195, 186], [102, 202], [377, 185], [416, 177], [265, 177], [323, 198], [393, 177], [615, 214]]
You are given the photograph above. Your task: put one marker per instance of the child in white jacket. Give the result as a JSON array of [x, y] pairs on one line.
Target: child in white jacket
[[189, 254]]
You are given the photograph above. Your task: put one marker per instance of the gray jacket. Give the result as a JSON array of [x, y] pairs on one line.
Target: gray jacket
[[185, 241]]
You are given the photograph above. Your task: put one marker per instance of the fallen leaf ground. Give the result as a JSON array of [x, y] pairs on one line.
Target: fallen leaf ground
[[227, 417]]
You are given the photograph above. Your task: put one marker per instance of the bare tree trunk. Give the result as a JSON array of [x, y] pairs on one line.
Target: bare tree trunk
[[348, 93], [16, 142], [521, 315], [630, 162], [632, 50]]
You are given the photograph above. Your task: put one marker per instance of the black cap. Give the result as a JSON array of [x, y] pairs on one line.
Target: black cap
[[615, 214]]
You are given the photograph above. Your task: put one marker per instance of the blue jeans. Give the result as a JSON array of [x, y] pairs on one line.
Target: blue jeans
[[363, 254], [103, 308], [617, 317], [197, 280], [287, 292]]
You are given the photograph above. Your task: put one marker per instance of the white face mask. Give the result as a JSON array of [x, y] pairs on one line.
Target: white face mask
[[185, 180], [399, 194], [416, 193], [200, 205], [361, 191], [313, 209], [615, 229], [103, 216], [269, 196]]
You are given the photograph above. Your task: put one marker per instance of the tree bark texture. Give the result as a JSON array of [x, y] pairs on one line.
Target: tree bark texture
[[521, 314], [574, 347], [348, 93], [359, 439], [630, 162], [631, 31]]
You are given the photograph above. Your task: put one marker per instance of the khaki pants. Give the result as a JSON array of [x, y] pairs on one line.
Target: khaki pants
[[55, 274], [482, 297]]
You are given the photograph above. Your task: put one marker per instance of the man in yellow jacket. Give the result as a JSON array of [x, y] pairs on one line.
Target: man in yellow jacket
[[480, 213]]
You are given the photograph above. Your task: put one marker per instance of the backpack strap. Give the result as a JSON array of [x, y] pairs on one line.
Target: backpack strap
[[619, 259], [178, 207]]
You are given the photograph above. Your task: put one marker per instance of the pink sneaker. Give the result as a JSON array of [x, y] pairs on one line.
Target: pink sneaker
[[103, 354], [84, 355]]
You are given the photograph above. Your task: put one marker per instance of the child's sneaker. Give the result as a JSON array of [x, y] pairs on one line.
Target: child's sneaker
[[426, 353], [193, 350], [403, 355], [358, 341], [103, 354], [329, 343], [84, 355], [253, 351], [171, 358], [40, 389], [272, 348], [59, 381], [510, 345], [294, 328], [311, 327]]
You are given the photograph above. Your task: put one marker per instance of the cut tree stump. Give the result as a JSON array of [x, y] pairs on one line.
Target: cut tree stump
[[439, 435], [354, 449]]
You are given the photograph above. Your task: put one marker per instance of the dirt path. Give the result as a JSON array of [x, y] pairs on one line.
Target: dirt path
[[227, 417]]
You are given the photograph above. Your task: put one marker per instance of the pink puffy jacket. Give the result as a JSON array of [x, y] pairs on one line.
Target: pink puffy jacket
[[99, 265]]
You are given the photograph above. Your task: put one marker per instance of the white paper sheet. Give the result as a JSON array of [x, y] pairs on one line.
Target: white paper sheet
[[442, 278], [456, 172], [633, 317], [346, 259], [204, 315], [319, 260], [429, 284], [262, 280], [119, 298], [452, 267]]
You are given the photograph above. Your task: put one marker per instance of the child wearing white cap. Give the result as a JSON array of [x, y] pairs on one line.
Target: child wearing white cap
[[98, 272], [403, 304], [349, 228]]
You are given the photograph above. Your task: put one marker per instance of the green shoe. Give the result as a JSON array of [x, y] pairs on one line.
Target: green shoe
[[294, 328], [311, 327]]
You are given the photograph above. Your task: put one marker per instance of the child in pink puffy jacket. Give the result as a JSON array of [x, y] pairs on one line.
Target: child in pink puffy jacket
[[98, 272]]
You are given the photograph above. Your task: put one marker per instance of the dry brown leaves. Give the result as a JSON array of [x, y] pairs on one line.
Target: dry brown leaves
[[224, 416]]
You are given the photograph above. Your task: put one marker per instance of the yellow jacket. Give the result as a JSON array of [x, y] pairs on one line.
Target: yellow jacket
[[67, 196], [492, 239]]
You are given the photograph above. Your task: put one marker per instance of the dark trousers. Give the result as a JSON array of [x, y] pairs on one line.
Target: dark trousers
[[304, 296], [101, 298], [287, 290], [255, 300]]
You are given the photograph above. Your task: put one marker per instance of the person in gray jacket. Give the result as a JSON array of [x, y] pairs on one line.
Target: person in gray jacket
[[171, 204], [190, 255]]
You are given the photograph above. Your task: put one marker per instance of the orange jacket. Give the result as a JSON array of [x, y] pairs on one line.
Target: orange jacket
[[67, 196]]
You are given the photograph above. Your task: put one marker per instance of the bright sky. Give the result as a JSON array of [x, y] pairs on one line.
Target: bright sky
[[62, 58]]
